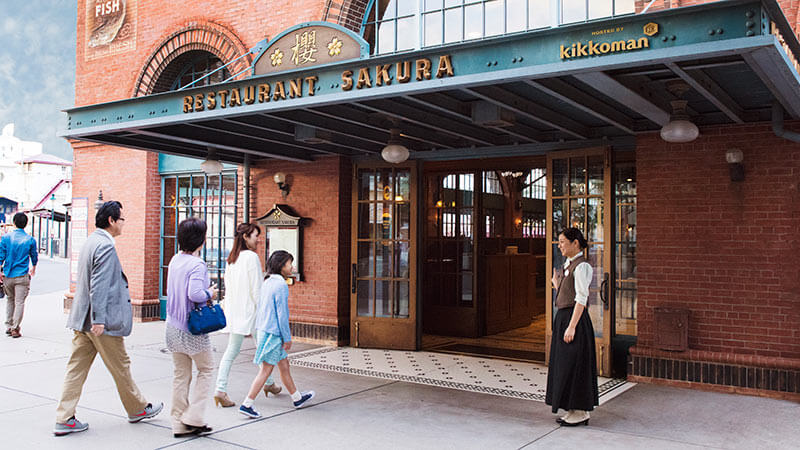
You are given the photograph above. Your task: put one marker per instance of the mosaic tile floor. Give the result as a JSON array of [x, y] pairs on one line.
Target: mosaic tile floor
[[491, 376]]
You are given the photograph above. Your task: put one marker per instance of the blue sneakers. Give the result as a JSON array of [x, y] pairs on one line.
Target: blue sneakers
[[72, 425], [249, 412], [305, 398]]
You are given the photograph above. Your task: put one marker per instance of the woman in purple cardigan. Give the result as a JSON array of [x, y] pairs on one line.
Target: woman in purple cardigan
[[188, 286]]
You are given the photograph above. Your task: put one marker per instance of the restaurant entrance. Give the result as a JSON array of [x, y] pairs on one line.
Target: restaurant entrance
[[483, 262]]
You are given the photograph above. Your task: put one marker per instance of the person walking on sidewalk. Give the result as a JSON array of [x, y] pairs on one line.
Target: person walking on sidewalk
[[243, 278], [18, 258], [273, 335], [188, 286], [100, 318], [572, 376]]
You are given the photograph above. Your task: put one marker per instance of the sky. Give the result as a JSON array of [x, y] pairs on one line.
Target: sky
[[37, 69]]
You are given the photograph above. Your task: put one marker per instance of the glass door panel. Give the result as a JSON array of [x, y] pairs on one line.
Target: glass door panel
[[579, 190], [382, 311]]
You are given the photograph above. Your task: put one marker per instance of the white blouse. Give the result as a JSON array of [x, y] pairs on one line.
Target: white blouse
[[583, 278], [242, 291]]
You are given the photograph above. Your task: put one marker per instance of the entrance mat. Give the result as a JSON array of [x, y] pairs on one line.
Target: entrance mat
[[491, 352], [489, 376]]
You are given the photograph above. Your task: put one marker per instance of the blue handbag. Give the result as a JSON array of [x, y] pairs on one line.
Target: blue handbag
[[206, 319]]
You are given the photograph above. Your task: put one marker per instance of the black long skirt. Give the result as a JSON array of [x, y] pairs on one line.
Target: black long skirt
[[572, 375]]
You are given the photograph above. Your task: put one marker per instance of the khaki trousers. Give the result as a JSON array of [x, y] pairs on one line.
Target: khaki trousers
[[190, 409], [16, 290], [112, 350]]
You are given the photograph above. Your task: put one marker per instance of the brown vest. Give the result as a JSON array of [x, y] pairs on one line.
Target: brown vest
[[566, 290]]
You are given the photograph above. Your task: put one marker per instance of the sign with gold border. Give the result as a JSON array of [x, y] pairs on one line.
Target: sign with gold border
[[308, 45]]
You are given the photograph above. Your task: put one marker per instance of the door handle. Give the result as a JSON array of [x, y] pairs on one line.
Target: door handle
[[604, 290], [355, 278]]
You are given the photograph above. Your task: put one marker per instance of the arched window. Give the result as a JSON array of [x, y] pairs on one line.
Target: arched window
[[201, 65], [400, 25]]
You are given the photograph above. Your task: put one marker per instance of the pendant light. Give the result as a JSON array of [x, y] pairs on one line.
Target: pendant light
[[394, 152], [211, 165], [679, 129]]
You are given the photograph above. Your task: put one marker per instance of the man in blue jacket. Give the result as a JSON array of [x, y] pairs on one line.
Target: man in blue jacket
[[18, 257]]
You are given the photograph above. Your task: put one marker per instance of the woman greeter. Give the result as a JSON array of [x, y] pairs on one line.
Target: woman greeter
[[572, 376], [274, 337], [243, 278]]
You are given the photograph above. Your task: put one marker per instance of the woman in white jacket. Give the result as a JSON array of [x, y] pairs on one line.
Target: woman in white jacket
[[243, 279]]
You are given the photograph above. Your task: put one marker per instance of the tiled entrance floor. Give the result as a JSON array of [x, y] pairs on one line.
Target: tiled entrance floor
[[490, 376]]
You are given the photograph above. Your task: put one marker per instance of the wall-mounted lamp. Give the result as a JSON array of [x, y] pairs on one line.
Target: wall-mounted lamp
[[734, 157], [99, 202], [280, 180], [518, 222], [211, 165]]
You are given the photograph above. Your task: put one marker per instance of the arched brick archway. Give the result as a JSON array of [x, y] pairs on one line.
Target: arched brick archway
[[347, 13], [201, 35]]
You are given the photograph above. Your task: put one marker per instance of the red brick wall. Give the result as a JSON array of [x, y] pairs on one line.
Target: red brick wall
[[131, 177], [727, 251], [316, 194]]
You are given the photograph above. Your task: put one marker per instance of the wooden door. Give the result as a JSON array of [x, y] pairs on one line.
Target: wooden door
[[579, 195], [383, 306]]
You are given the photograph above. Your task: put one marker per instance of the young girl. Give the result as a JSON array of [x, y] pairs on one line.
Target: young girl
[[274, 337]]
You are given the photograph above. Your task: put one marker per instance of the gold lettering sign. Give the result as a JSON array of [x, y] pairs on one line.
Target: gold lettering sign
[[307, 46], [592, 48], [290, 88]]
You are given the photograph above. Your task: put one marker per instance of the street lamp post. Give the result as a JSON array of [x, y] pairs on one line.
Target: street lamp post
[[52, 219]]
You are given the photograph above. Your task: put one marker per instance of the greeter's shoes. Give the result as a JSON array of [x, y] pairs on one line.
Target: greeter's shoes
[[304, 399], [273, 389], [148, 412], [72, 425], [249, 412]]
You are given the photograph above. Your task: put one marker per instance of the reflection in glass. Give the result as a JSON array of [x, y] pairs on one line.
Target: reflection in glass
[[600, 8], [577, 211], [407, 33], [430, 5], [559, 217], [595, 259], [405, 7], [466, 287], [453, 25], [364, 297], [366, 227], [365, 256], [559, 177], [401, 299], [473, 21], [594, 229], [573, 11], [624, 7], [366, 184], [433, 28], [515, 17], [401, 259], [402, 191], [383, 299], [403, 216], [577, 176], [539, 14], [494, 17], [596, 175], [170, 193], [384, 218], [386, 34], [383, 260]]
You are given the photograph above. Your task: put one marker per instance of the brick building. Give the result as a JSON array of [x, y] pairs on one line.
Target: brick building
[[520, 117]]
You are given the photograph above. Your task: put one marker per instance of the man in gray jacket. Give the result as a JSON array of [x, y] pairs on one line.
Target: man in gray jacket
[[100, 318]]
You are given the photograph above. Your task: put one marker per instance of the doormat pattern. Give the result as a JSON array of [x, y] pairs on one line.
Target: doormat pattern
[[489, 376], [491, 352]]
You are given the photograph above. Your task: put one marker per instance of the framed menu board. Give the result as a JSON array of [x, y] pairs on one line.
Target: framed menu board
[[284, 232]]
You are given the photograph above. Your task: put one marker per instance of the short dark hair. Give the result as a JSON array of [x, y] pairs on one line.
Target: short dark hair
[[191, 234], [277, 260], [20, 220], [112, 209], [573, 234]]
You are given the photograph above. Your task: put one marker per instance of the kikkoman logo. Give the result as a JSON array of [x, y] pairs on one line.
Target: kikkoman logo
[[592, 48]]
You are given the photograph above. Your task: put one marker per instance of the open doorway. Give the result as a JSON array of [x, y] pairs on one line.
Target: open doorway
[[484, 257]]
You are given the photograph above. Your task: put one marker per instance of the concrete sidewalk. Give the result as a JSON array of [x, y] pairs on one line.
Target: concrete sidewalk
[[351, 411]]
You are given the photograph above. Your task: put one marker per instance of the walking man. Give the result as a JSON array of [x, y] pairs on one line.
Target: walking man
[[101, 317], [18, 257]]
